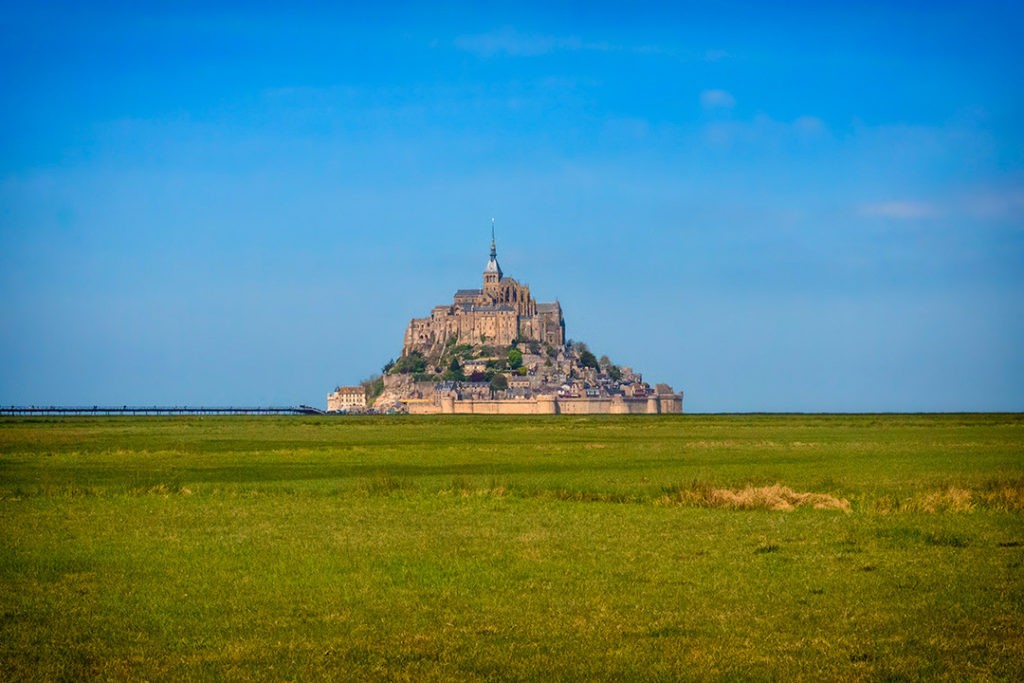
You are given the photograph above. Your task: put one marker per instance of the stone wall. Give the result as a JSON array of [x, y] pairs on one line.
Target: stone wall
[[549, 405]]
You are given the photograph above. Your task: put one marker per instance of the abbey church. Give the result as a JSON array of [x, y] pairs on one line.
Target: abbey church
[[497, 351], [498, 315]]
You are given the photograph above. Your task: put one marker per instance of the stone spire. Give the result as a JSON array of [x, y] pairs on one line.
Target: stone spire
[[492, 264]]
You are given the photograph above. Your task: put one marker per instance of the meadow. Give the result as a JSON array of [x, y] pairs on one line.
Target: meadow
[[689, 547]]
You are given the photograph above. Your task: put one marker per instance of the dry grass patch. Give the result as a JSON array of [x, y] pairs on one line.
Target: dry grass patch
[[1003, 496], [952, 499], [774, 497]]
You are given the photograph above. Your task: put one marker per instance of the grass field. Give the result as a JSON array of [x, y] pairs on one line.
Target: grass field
[[558, 548]]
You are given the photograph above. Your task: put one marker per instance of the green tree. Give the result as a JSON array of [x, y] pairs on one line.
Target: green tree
[[454, 372], [414, 364], [499, 383], [373, 387], [515, 358], [587, 359]]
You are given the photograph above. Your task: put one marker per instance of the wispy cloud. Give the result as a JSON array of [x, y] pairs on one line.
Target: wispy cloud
[[764, 132], [995, 203], [901, 209], [809, 126], [509, 41], [717, 99], [975, 204]]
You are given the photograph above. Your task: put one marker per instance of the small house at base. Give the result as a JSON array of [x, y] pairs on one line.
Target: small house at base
[[346, 398]]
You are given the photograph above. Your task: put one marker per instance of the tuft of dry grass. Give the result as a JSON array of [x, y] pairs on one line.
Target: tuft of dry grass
[[774, 497], [1005, 495], [951, 499], [1002, 496]]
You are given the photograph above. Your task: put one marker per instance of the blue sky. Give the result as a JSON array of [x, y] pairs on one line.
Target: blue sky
[[819, 208]]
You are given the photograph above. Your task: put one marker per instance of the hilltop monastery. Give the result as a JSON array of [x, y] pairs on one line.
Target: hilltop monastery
[[498, 315], [495, 350]]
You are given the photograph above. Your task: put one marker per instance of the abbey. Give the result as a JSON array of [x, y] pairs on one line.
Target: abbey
[[496, 351], [501, 313]]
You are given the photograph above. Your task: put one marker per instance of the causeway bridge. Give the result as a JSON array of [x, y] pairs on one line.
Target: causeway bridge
[[159, 410]]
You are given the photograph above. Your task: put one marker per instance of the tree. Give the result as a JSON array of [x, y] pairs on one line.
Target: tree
[[614, 373], [454, 372], [515, 358], [587, 359], [414, 364], [372, 387], [387, 366], [499, 383]]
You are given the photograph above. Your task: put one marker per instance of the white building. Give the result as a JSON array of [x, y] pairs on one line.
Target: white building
[[346, 398]]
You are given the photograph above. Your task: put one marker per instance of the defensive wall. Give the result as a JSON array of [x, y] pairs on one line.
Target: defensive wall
[[549, 405]]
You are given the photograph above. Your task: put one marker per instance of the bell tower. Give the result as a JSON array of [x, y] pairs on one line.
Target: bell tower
[[492, 272]]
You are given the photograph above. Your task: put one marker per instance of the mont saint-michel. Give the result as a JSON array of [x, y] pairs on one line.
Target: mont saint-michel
[[496, 350]]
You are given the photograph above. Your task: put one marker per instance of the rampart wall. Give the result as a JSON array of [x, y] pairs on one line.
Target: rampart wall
[[550, 405]]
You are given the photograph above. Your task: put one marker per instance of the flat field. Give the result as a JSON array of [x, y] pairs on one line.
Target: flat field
[[559, 548]]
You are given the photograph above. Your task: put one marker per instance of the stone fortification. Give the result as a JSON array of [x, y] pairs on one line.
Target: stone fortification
[[549, 405], [497, 351], [499, 314]]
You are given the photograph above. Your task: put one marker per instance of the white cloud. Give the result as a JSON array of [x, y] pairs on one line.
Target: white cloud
[[809, 126], [766, 133], [975, 204], [509, 41], [995, 204], [901, 209], [717, 99]]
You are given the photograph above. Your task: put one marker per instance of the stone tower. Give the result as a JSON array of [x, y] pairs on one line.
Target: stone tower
[[492, 272], [500, 314]]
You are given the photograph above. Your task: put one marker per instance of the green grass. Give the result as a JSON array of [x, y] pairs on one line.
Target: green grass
[[557, 548]]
